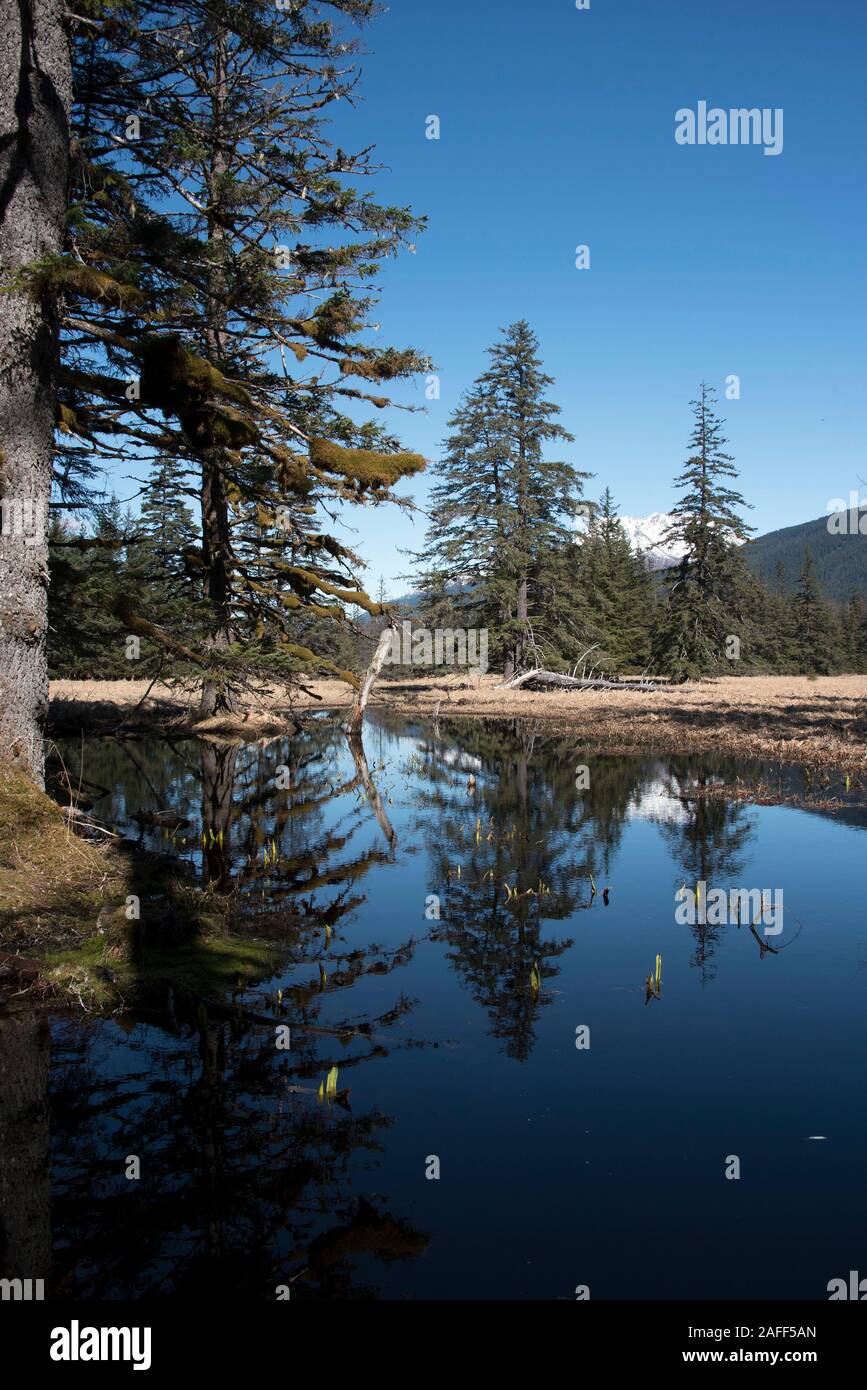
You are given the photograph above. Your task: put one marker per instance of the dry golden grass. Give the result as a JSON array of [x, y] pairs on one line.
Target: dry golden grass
[[820, 723], [53, 884]]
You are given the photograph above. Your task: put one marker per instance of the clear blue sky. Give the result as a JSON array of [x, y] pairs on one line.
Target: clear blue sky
[[558, 129]]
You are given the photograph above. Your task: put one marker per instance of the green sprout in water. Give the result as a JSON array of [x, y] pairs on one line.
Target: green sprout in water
[[328, 1087], [653, 983]]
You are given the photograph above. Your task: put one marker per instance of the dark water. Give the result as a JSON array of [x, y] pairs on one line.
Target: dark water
[[602, 1166]]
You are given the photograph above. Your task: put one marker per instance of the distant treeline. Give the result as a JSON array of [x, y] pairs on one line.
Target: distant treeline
[[502, 553]]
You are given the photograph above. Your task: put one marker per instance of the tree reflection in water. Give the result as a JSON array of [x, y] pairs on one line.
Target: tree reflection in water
[[249, 1182], [502, 803]]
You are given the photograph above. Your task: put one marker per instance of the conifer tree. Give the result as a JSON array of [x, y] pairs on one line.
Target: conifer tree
[[855, 634], [543, 493], [35, 101], [166, 523], [218, 279], [85, 637], [618, 592], [164, 561], [501, 512], [816, 632], [469, 509], [700, 612]]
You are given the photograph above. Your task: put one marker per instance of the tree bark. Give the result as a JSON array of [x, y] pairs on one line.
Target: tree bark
[[539, 677], [215, 553], [35, 102], [216, 542]]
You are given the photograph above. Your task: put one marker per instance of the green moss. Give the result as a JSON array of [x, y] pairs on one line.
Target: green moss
[[367, 468], [292, 475], [201, 968], [306, 657], [55, 276], [67, 420]]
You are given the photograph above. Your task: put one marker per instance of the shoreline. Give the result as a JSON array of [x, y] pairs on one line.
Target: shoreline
[[819, 723], [56, 884]]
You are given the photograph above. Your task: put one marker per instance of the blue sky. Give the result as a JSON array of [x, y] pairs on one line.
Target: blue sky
[[557, 128]]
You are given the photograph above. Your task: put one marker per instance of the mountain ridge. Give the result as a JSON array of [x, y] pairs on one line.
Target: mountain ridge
[[840, 557]]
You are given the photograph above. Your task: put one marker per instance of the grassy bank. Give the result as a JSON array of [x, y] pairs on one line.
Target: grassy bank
[[104, 924]]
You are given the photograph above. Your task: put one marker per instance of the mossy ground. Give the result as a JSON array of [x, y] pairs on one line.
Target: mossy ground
[[63, 902]]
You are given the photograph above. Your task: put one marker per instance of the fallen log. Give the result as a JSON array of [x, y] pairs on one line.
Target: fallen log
[[572, 682]]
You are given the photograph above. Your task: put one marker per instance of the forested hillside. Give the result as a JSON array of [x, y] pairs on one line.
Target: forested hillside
[[839, 555]]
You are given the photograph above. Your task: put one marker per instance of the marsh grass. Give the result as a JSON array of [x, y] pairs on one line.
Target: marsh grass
[[817, 723]]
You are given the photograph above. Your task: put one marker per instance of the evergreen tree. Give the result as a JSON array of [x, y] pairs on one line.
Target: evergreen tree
[[816, 632], [86, 638], [164, 562], [166, 524], [468, 509], [701, 611], [543, 494], [217, 279], [35, 101], [618, 592], [501, 512], [855, 634]]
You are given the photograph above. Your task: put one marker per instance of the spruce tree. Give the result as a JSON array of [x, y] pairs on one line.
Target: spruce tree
[[88, 571], [816, 632], [543, 493], [35, 101], [218, 279], [164, 562], [855, 634], [468, 509], [617, 590], [700, 612], [502, 513]]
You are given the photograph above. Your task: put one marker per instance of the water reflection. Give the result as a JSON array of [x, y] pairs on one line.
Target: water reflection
[[241, 1189], [245, 1169], [434, 920]]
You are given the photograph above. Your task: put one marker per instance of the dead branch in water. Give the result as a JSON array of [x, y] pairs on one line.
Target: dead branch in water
[[373, 670], [356, 748]]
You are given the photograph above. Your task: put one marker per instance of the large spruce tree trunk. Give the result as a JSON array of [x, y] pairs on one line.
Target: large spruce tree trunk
[[522, 605], [216, 697], [35, 101], [216, 545]]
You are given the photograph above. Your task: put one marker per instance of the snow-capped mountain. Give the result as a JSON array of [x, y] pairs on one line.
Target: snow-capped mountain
[[645, 536]]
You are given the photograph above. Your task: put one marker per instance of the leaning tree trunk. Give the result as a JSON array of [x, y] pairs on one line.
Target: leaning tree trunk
[[35, 101]]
